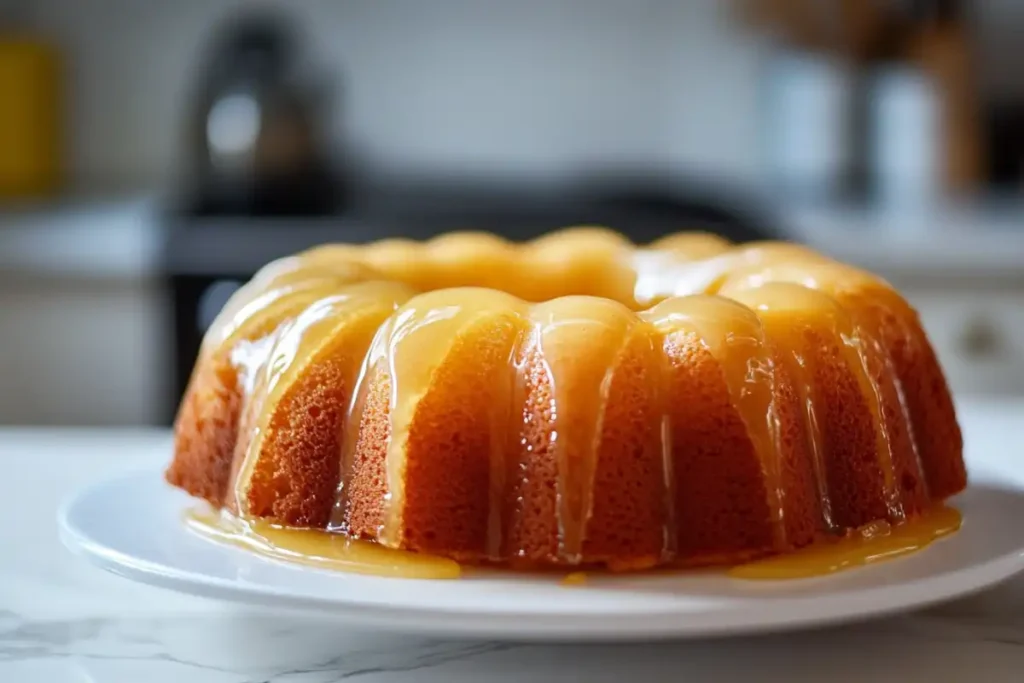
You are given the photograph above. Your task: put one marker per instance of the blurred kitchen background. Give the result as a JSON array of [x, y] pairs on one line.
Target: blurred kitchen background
[[154, 154]]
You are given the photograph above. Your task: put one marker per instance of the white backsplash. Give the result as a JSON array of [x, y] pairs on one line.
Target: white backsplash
[[534, 86], [539, 87]]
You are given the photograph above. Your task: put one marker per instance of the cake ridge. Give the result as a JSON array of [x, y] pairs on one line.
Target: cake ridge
[[579, 398], [704, 316], [907, 420], [353, 417], [804, 321], [863, 350], [853, 342], [333, 331], [502, 424], [670, 526], [883, 318], [697, 367], [413, 348]]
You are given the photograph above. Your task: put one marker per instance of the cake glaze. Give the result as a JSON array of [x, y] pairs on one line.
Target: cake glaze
[[575, 400]]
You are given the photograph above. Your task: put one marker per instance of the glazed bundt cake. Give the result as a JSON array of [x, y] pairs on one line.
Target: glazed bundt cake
[[575, 400]]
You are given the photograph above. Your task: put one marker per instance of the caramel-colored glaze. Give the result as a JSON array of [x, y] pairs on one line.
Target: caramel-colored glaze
[[916, 407], [692, 246], [334, 551], [873, 543], [410, 349], [814, 331], [580, 384], [922, 391], [510, 411], [263, 297], [318, 548], [735, 339], [493, 259], [663, 274], [247, 332], [755, 266], [584, 261], [399, 259], [233, 351], [575, 579], [678, 265], [325, 343]]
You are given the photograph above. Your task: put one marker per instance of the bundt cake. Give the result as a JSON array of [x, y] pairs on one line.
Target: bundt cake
[[575, 400]]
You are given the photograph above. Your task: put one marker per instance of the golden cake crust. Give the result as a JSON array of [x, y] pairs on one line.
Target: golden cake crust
[[688, 401]]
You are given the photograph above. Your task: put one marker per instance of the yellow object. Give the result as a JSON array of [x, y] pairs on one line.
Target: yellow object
[[876, 542], [30, 119], [314, 547], [318, 548]]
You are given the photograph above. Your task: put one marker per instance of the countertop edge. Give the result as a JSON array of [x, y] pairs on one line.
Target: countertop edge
[[123, 240]]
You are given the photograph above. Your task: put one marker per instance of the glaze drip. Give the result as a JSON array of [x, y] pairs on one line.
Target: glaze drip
[[772, 317], [318, 549], [412, 346], [670, 531], [810, 326], [868, 545], [335, 329], [579, 397], [734, 337]]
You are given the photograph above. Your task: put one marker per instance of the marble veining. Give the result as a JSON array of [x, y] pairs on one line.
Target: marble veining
[[239, 646], [242, 646], [61, 620]]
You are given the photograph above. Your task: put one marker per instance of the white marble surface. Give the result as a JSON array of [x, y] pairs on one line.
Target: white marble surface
[[62, 620]]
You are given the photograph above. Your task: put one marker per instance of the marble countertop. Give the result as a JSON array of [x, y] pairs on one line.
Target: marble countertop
[[62, 620]]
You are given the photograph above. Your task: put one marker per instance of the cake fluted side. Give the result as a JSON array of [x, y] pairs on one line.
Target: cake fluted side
[[771, 398]]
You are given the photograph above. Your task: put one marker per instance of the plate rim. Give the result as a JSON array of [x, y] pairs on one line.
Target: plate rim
[[770, 615]]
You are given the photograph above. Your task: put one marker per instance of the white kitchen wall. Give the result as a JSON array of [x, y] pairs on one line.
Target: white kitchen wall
[[530, 86], [83, 351], [535, 86]]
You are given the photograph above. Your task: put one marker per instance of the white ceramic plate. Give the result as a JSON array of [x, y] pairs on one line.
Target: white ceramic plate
[[132, 526]]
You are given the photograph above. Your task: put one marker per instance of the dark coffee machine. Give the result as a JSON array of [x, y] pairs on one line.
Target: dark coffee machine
[[256, 134]]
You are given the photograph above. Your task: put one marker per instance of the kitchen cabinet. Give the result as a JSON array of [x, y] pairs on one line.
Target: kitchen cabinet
[[977, 331], [82, 351]]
